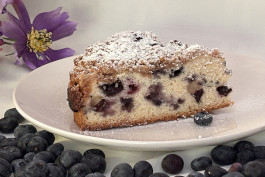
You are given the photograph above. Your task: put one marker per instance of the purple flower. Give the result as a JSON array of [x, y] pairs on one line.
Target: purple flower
[[33, 41], [3, 4]]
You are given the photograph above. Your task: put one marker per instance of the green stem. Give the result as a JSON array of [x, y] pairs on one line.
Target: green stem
[[8, 43], [9, 54], [8, 39]]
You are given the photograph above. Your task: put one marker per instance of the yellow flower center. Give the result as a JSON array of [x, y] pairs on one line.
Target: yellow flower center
[[39, 40]]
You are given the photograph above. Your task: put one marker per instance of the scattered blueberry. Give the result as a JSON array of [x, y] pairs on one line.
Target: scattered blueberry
[[214, 171], [233, 174], [56, 149], [235, 167], [172, 164], [20, 173], [14, 113], [8, 142], [24, 129], [95, 151], [56, 170], [29, 156], [5, 168], [127, 104], [253, 169], [49, 137], [8, 124], [97, 174], [142, 169], [18, 164], [46, 156], [10, 153], [95, 162], [22, 142], [79, 170], [122, 170], [241, 145], [69, 157], [203, 118], [245, 156], [259, 152], [201, 163], [112, 89], [2, 137], [36, 168], [223, 90], [223, 155], [37, 144], [195, 174], [159, 174]]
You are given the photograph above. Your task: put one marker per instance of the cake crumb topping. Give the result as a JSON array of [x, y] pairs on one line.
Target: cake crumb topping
[[139, 52]]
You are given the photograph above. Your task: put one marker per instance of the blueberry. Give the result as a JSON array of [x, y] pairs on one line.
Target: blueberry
[[14, 113], [49, 137], [112, 89], [237, 167], [203, 118], [122, 170], [56, 149], [56, 170], [241, 145], [8, 124], [233, 174], [5, 168], [102, 106], [37, 144], [223, 155], [29, 156], [95, 151], [46, 156], [253, 169], [142, 169], [36, 168], [172, 164], [79, 170], [24, 129], [95, 162], [159, 174], [155, 94], [201, 163], [259, 152], [157, 73], [97, 174], [69, 157], [18, 164], [8, 142], [127, 104], [22, 142], [245, 156], [175, 73], [2, 137], [132, 88], [198, 94], [223, 90], [10, 153], [195, 174], [20, 173], [214, 171]]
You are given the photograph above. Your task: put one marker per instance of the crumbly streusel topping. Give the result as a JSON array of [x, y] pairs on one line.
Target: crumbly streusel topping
[[137, 51]]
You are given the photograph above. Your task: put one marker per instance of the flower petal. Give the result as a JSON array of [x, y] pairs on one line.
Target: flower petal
[[50, 20], [64, 30], [13, 31], [20, 47], [20, 24], [30, 59], [22, 13], [3, 4], [59, 54]]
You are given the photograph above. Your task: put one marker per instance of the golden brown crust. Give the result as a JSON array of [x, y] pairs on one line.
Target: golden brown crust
[[80, 118]]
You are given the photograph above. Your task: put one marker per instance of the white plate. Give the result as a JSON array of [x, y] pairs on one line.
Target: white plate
[[41, 98]]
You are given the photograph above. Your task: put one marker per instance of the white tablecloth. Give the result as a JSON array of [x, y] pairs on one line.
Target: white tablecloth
[[179, 19]]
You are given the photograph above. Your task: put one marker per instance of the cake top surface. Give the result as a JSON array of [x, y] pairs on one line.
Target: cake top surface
[[137, 51]]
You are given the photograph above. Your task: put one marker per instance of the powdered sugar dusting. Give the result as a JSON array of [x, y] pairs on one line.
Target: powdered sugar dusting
[[138, 51]]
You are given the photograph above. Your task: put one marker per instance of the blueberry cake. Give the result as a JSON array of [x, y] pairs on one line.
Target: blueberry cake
[[133, 78]]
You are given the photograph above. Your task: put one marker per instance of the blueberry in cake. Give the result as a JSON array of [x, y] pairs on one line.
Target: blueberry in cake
[[133, 78]]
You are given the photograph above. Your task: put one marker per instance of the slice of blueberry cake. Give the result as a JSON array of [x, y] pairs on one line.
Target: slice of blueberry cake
[[132, 78]]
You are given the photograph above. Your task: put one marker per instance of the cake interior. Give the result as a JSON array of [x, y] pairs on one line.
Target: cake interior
[[134, 98]]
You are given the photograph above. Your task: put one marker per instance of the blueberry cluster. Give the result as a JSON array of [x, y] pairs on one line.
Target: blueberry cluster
[[33, 153]]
